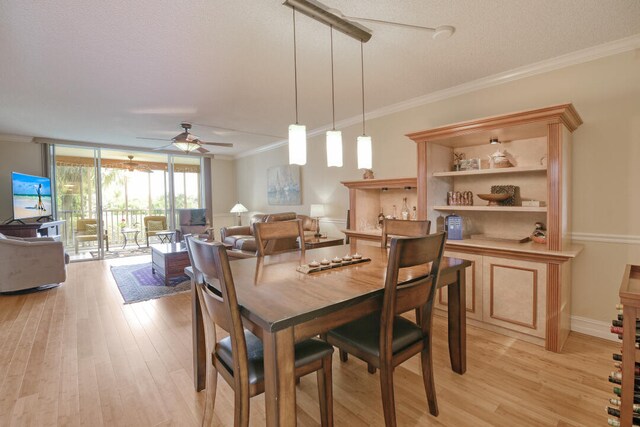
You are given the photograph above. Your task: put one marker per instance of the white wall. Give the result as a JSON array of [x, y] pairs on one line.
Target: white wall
[[17, 154], [606, 160], [223, 177]]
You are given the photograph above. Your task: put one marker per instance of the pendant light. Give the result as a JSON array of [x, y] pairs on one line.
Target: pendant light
[[334, 137], [365, 154], [297, 132]]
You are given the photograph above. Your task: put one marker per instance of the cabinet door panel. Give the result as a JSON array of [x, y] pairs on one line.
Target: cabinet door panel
[[514, 294], [473, 280]]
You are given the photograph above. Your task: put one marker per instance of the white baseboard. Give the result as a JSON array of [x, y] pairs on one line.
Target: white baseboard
[[595, 328]]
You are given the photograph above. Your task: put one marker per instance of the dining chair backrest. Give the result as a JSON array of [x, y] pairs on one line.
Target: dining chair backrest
[[423, 253], [268, 234], [211, 262], [401, 227]]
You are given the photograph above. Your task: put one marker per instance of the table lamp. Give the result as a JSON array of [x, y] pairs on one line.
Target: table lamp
[[316, 211], [239, 209]]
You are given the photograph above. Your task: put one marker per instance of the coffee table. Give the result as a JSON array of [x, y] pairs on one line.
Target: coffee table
[[169, 260]]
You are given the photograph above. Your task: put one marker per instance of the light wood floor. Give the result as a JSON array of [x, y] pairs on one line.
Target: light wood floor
[[75, 355]]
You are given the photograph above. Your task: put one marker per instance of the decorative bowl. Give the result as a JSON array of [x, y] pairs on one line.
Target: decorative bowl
[[494, 198], [539, 239]]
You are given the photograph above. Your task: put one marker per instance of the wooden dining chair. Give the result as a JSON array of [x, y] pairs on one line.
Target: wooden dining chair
[[239, 357], [279, 236], [384, 339], [401, 227]]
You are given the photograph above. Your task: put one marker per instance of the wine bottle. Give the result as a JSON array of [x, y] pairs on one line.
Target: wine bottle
[[618, 391], [616, 413], [618, 402], [395, 213], [414, 214], [405, 209]]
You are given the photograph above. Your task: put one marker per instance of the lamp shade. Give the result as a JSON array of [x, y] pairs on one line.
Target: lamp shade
[[297, 144], [365, 160], [238, 208], [316, 211], [334, 148], [186, 146]]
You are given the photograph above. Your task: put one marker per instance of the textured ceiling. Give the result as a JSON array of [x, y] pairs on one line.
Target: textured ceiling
[[108, 71]]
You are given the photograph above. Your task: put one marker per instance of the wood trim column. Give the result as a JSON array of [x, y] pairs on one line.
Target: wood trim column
[[554, 308], [422, 180], [554, 187]]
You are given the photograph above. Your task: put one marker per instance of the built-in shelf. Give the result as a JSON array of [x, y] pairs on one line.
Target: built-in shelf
[[517, 169], [492, 208]]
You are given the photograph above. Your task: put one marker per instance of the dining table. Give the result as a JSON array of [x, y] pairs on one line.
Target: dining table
[[282, 306]]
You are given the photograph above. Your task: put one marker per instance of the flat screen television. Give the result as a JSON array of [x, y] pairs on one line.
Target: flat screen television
[[31, 196]]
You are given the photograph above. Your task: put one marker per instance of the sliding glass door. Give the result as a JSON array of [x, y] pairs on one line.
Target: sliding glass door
[[77, 189], [122, 188]]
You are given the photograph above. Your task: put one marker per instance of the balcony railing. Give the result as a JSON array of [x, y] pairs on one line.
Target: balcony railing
[[112, 221]]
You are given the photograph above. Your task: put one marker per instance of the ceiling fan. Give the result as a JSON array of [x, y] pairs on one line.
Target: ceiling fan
[[187, 141], [132, 166]]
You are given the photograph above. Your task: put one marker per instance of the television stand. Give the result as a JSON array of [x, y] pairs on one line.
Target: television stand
[[10, 221], [47, 218], [33, 229]]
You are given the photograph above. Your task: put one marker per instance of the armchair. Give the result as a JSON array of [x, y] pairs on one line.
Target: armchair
[[151, 226], [30, 263], [195, 222], [87, 231]]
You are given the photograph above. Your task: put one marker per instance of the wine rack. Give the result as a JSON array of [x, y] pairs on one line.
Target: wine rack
[[624, 410]]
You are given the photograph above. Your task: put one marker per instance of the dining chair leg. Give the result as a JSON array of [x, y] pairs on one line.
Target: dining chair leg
[[344, 356], [371, 369], [241, 406], [388, 398], [210, 396], [325, 392], [427, 377]]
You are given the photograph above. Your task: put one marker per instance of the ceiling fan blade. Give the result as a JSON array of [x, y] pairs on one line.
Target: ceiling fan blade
[[166, 147], [218, 144], [202, 150], [153, 139]]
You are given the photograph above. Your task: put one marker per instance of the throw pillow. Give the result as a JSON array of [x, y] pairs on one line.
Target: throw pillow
[[92, 228], [155, 226]]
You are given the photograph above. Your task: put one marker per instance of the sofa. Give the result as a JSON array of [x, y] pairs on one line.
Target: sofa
[[27, 263], [242, 241]]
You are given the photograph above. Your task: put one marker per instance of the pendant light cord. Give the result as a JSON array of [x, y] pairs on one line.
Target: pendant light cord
[[295, 63], [362, 74], [333, 96]]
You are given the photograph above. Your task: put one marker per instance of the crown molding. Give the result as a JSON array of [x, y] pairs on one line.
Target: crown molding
[[558, 62]]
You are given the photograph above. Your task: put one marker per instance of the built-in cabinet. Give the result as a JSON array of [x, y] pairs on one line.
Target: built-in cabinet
[[370, 197], [521, 289]]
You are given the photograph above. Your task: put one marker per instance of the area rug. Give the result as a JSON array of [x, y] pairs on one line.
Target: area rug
[[122, 253], [137, 283]]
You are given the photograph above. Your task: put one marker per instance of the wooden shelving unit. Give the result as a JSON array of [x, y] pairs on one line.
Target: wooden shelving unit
[[490, 208], [521, 169], [369, 197], [630, 299], [522, 290]]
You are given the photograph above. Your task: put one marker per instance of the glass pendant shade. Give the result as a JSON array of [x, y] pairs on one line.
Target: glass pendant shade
[[334, 148], [186, 146], [297, 144], [365, 156]]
